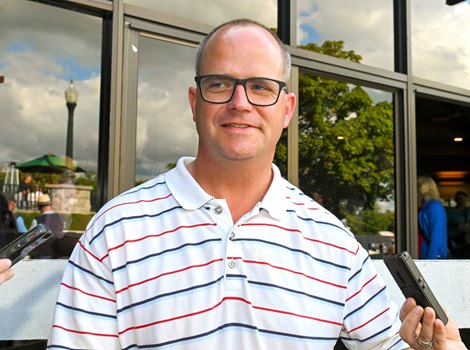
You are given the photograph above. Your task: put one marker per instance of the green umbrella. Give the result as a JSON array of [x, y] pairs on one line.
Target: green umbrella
[[49, 164]]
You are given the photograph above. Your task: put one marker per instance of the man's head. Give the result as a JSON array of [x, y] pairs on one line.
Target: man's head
[[28, 178], [12, 204], [284, 51], [44, 202], [234, 118]]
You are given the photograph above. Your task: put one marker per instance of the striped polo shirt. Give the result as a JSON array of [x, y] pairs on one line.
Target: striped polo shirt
[[163, 266]]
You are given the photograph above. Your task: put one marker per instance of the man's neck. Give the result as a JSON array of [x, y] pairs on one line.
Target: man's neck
[[241, 183]]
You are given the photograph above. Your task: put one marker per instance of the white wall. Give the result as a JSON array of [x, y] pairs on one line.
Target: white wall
[[27, 301]]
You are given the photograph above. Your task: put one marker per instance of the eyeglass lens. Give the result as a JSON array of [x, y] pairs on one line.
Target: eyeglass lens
[[220, 89]]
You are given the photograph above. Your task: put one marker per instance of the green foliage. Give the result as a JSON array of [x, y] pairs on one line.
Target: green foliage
[[333, 48], [370, 221], [78, 222], [346, 146]]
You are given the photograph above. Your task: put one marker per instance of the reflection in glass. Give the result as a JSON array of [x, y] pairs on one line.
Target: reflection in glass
[[440, 41], [366, 27], [165, 128], [346, 151], [215, 12], [41, 49]]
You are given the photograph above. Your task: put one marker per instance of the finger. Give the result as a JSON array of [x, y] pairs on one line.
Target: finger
[[426, 333], [440, 336], [6, 275], [406, 308], [4, 264], [411, 325]]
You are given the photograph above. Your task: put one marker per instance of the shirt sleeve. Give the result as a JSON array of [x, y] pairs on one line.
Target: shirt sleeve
[[371, 319], [85, 313]]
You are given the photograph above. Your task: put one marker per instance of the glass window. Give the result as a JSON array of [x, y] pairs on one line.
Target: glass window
[[346, 156], [42, 48], [214, 12], [165, 128], [440, 37], [363, 27]]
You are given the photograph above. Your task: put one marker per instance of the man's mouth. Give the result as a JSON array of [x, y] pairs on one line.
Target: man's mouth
[[242, 126]]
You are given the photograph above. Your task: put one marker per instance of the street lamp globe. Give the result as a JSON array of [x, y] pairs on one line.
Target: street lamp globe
[[71, 94]]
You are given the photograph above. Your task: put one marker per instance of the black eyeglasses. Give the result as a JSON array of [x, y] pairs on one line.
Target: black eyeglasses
[[219, 89]]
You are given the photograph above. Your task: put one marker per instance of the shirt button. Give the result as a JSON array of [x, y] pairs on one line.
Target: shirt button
[[232, 235], [218, 210], [232, 264]]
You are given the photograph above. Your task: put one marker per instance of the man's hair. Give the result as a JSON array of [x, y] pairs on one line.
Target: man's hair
[[243, 22]]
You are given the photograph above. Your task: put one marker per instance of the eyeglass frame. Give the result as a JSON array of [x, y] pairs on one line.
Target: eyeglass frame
[[242, 82]]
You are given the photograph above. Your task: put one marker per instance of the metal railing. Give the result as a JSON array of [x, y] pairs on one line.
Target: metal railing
[[28, 202]]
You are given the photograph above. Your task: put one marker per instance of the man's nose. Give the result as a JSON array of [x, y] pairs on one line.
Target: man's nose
[[239, 95]]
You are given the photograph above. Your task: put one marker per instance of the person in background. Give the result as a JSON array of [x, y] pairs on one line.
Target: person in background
[[20, 225], [458, 224], [432, 220], [221, 252], [8, 231], [51, 248], [24, 190], [6, 272]]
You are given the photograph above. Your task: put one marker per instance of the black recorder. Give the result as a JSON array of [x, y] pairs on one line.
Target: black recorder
[[412, 283], [25, 243]]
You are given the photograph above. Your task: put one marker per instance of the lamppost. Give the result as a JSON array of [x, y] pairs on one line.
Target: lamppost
[[71, 97]]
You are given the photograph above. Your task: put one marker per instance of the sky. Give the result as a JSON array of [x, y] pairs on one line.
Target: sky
[[42, 48]]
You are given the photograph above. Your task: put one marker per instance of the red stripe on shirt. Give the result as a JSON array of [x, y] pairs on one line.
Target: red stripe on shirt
[[154, 236], [127, 203], [291, 271], [165, 274], [89, 294], [82, 332]]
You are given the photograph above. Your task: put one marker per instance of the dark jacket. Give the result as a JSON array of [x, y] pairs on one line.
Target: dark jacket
[[51, 248]]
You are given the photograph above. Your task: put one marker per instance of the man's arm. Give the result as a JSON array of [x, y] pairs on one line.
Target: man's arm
[[85, 313]]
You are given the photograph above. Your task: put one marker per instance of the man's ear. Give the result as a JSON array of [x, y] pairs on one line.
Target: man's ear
[[291, 101], [192, 97]]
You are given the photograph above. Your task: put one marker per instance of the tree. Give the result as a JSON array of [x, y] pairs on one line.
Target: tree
[[346, 148]]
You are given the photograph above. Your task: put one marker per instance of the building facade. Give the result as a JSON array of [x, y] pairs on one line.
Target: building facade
[[383, 87]]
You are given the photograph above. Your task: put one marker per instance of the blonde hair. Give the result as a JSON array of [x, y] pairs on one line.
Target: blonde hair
[[427, 188]]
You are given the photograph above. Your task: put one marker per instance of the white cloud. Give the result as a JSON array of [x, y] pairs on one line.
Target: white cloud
[[440, 34]]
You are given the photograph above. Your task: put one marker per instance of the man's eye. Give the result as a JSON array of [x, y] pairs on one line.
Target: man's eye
[[258, 87], [219, 84]]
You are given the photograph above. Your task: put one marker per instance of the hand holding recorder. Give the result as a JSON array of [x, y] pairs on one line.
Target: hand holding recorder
[[25, 243], [425, 324]]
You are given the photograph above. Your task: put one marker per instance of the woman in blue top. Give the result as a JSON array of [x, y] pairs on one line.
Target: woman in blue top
[[432, 220]]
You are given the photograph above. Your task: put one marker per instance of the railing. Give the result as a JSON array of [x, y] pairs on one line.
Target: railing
[[28, 202], [27, 301]]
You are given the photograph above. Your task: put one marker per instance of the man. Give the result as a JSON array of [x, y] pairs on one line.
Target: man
[[24, 189], [51, 248], [221, 252]]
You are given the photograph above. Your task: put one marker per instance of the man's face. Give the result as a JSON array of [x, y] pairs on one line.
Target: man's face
[[238, 130]]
